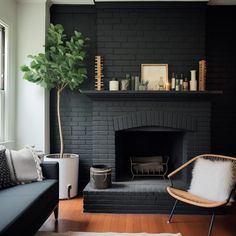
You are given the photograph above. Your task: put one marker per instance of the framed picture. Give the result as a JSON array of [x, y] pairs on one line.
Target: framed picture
[[154, 74]]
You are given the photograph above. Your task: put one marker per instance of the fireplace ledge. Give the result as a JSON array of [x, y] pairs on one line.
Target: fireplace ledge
[[150, 95]]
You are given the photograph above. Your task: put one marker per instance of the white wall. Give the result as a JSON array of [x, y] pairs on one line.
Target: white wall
[[32, 124], [8, 17]]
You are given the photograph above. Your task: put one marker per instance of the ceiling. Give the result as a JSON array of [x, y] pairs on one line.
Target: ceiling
[[91, 2]]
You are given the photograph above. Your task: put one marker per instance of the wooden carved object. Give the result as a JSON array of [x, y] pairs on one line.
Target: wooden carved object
[[202, 75], [99, 85]]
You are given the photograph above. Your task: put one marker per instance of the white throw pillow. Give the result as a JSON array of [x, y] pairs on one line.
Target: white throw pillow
[[212, 180], [24, 165]]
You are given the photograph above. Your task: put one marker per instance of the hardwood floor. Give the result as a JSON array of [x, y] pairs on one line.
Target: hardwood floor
[[72, 218]]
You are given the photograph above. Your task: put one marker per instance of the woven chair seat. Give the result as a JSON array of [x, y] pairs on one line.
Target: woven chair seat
[[193, 199]]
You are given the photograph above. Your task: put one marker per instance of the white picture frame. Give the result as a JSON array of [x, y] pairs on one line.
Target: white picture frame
[[152, 73]]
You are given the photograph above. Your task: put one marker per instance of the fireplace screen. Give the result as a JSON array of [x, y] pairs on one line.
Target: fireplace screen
[[149, 166]]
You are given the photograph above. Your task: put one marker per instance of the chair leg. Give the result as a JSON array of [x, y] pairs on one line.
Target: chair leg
[[211, 224], [172, 211], [56, 212]]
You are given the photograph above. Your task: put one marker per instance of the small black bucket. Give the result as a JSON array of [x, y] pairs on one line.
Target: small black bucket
[[100, 176]]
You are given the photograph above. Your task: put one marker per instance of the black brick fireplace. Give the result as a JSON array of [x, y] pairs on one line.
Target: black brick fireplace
[[183, 123], [109, 117]]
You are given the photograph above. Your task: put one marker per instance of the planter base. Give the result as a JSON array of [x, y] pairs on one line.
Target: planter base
[[68, 174]]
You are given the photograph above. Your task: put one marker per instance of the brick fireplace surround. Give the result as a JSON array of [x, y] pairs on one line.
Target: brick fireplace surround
[[193, 118], [111, 114]]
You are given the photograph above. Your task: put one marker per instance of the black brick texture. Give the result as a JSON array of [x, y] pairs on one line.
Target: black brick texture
[[127, 35], [221, 75]]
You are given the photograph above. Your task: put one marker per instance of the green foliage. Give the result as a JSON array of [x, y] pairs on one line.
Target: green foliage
[[62, 64]]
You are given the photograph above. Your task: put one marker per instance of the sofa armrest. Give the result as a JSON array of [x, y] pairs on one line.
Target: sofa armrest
[[50, 170]]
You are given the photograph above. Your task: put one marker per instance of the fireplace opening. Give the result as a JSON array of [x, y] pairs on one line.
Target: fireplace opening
[[147, 142]]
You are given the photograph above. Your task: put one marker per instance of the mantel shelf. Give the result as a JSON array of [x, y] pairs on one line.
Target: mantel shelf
[[150, 95]]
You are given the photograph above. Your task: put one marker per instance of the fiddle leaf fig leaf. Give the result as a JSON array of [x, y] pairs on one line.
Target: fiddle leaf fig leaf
[[61, 64]]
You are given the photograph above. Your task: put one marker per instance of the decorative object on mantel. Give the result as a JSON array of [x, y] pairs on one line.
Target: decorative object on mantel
[[185, 84], [193, 81], [153, 73], [161, 84], [176, 83], [173, 82], [125, 82], [43, 233], [202, 75], [61, 66], [99, 85], [143, 85], [113, 84], [167, 86], [132, 82], [181, 81], [137, 81]]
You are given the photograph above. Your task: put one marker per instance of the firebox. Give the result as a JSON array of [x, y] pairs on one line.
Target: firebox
[[148, 142]]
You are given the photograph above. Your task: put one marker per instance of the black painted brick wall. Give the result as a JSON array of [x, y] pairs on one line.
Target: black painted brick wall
[[221, 75], [76, 114], [128, 35]]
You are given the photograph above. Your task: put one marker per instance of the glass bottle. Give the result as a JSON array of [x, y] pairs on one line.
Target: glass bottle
[[176, 83], [136, 82], [181, 82], [185, 84], [161, 84], [173, 82]]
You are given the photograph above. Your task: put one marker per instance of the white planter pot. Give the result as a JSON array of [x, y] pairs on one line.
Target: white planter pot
[[68, 174]]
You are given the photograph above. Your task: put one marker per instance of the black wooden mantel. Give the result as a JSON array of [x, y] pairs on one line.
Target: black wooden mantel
[[150, 95]]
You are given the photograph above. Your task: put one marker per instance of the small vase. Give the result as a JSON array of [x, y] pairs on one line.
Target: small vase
[[124, 84], [193, 81]]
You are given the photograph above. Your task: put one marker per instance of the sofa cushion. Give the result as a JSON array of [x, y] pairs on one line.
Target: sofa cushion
[[25, 203], [5, 175]]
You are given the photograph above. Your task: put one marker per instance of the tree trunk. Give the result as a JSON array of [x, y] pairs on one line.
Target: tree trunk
[[59, 122]]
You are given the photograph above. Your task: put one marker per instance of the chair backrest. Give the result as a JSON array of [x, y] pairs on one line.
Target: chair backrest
[[213, 177]]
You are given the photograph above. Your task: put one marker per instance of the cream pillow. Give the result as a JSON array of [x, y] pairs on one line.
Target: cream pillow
[[24, 165], [212, 180]]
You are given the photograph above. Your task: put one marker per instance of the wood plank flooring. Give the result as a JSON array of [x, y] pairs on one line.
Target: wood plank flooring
[[72, 218]]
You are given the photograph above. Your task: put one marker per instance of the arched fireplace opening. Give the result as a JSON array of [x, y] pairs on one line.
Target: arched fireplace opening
[[148, 142]]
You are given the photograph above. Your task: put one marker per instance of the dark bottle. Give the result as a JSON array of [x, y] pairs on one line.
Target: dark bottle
[[132, 82], [181, 81], [185, 84]]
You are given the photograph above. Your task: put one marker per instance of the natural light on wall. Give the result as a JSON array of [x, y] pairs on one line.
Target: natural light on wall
[[2, 81]]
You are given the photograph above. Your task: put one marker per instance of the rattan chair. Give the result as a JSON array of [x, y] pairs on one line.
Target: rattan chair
[[187, 197]]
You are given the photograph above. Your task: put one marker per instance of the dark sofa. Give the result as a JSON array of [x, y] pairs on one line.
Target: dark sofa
[[24, 208]]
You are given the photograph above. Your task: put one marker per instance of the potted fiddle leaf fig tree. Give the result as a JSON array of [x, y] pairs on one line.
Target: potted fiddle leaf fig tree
[[61, 66]]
